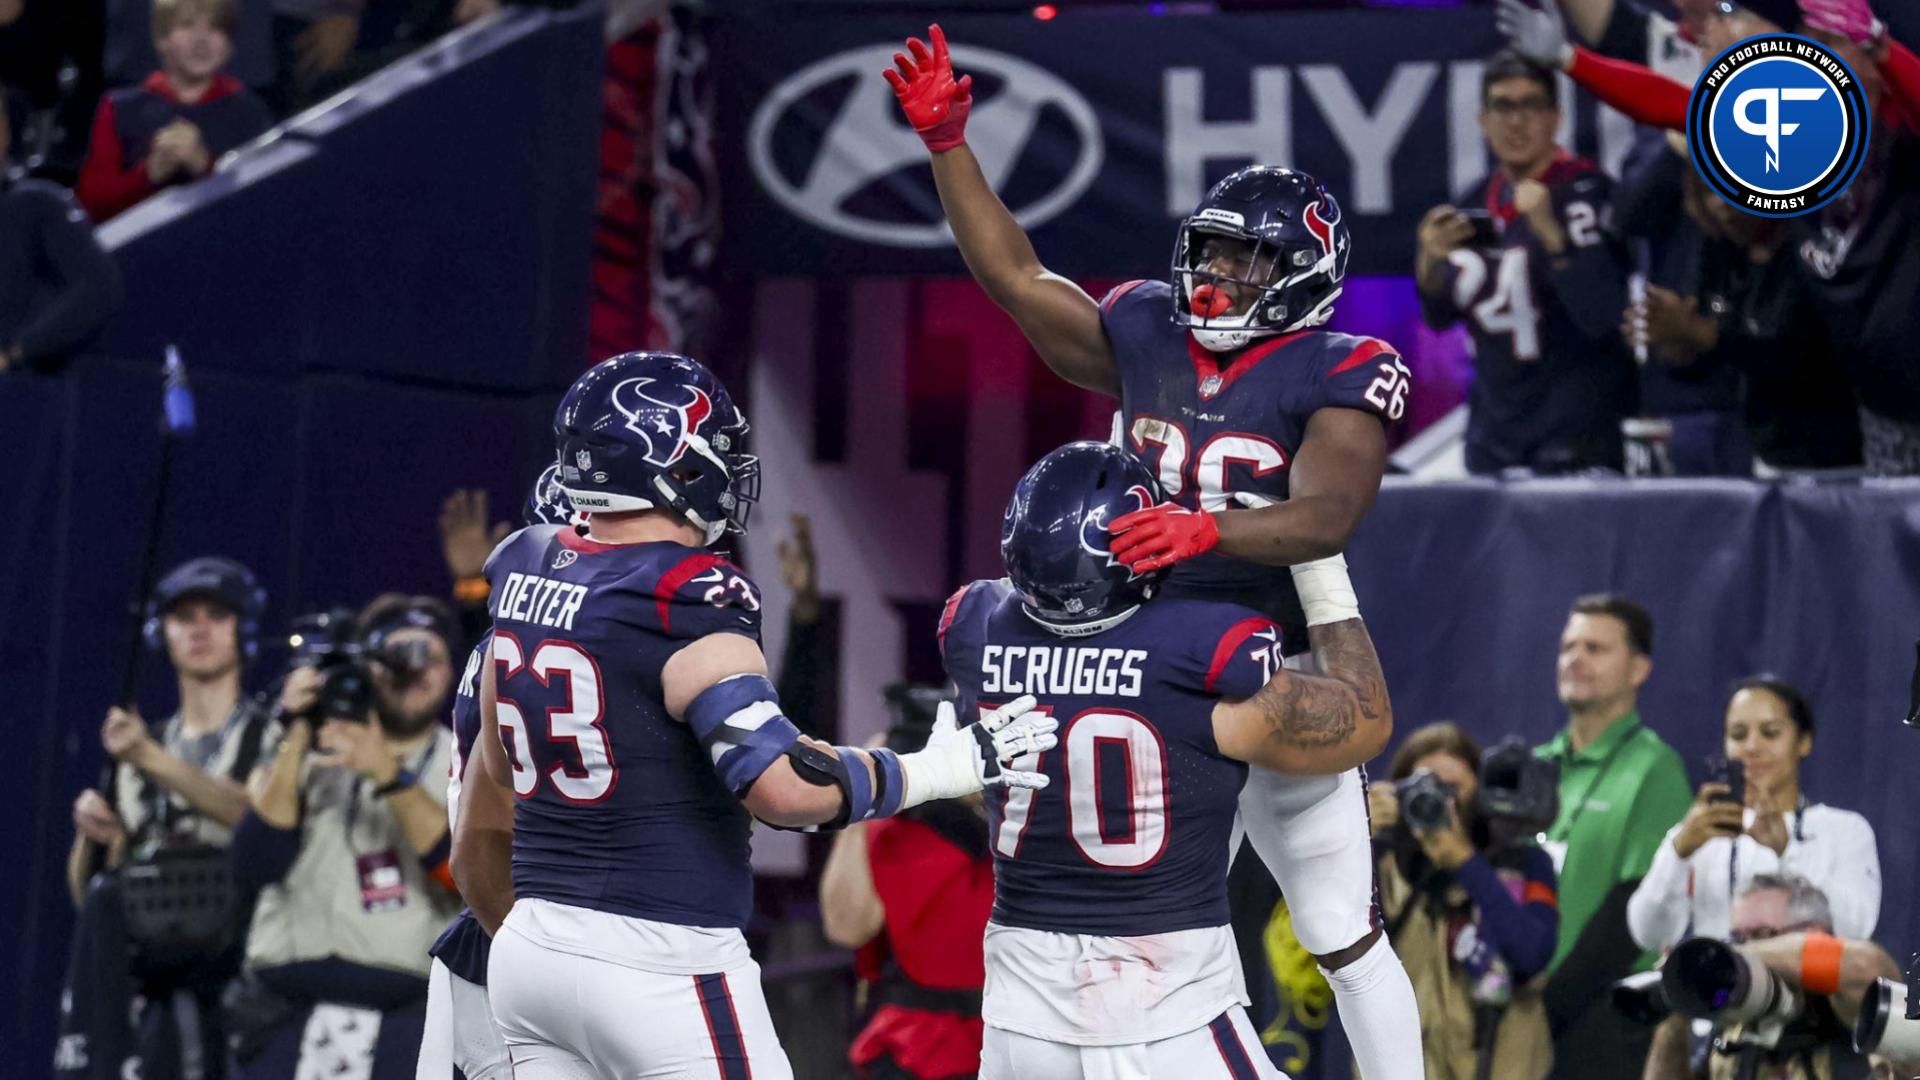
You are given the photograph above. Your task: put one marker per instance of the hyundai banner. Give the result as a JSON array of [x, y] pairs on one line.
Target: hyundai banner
[[1101, 131]]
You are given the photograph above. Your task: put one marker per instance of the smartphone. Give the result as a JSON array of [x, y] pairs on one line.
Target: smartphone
[[1731, 773], [1485, 234]]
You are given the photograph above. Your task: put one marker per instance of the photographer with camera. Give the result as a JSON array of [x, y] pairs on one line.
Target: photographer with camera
[[1767, 827], [163, 923], [347, 838], [1471, 907], [924, 880], [1781, 992]]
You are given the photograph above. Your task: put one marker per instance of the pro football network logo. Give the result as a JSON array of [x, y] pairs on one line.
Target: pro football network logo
[[1778, 125]]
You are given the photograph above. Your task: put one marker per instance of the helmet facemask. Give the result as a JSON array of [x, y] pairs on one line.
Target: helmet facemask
[[1281, 277]]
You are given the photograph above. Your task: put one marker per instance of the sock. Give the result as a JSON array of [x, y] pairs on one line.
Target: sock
[[1381, 1018]]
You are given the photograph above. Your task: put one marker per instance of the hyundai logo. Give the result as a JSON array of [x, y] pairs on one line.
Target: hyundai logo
[[868, 140]]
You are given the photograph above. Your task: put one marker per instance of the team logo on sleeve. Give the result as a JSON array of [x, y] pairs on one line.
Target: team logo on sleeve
[[1778, 125], [665, 425]]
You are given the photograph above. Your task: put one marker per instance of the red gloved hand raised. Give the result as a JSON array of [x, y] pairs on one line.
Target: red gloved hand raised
[[935, 104], [1159, 536]]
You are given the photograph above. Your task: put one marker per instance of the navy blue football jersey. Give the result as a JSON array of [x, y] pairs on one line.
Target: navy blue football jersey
[[1551, 376], [1131, 836], [619, 809], [1211, 429], [464, 946]]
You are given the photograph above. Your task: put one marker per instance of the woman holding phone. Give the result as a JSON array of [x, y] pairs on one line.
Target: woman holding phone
[[1753, 818]]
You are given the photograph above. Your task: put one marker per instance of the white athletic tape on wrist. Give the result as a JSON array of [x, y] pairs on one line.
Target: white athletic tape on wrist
[[1326, 594]]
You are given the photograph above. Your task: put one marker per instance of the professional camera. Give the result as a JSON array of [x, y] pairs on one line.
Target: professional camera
[[1640, 998], [1424, 799], [1710, 979], [1517, 789], [324, 641], [1890, 1018]]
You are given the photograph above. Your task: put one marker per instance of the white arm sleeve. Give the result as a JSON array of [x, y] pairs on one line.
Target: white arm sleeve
[[1658, 910]]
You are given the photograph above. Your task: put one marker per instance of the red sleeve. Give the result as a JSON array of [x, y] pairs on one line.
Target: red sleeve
[[1901, 69], [937, 901], [1643, 94], [106, 186]]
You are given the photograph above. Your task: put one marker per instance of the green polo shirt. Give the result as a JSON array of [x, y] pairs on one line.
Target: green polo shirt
[[1618, 798]]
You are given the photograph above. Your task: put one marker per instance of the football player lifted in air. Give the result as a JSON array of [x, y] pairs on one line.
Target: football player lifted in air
[[628, 709], [1109, 952], [1269, 438]]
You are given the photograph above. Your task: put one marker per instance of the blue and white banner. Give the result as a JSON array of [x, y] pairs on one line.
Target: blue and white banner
[[1102, 131]]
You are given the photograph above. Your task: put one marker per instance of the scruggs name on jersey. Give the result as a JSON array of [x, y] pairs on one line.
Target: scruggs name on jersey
[[1131, 836]]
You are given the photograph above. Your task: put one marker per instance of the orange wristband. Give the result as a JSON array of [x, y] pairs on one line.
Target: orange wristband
[[1820, 963], [471, 590]]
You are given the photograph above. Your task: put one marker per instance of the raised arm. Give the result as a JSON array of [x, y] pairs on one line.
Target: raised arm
[[1589, 18], [1056, 315], [1636, 90]]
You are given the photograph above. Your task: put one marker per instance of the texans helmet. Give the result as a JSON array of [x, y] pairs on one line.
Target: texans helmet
[[1298, 259], [547, 503], [222, 580], [1055, 542], [656, 431]]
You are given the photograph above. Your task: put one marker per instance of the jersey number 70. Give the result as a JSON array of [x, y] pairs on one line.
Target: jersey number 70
[[1120, 826], [577, 721]]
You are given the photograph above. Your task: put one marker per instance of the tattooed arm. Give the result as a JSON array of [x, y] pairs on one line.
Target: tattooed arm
[[1301, 722]]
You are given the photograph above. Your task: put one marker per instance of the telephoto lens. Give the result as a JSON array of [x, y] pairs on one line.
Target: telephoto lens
[[1711, 979], [1885, 1026]]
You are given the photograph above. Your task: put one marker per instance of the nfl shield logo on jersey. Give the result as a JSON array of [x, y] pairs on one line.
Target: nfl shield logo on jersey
[[584, 460], [1210, 386]]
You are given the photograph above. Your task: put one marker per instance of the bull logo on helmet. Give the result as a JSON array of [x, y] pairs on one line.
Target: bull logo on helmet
[[662, 423], [1321, 216], [1095, 540]]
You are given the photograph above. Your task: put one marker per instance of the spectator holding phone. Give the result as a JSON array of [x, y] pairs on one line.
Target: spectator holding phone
[[1753, 819]]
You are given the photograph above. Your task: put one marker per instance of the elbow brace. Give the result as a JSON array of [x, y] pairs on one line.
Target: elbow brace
[[738, 721], [865, 798]]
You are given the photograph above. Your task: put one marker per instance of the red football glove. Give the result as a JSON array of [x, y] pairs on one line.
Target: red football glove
[[935, 105], [1159, 536]]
